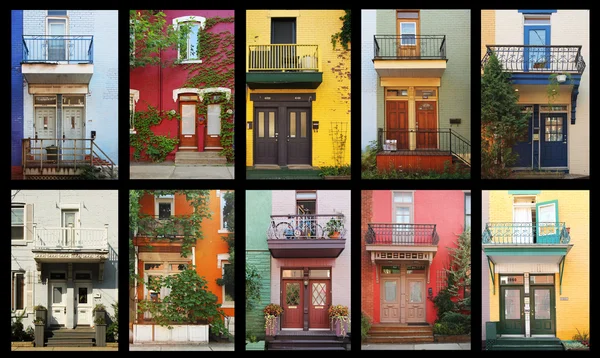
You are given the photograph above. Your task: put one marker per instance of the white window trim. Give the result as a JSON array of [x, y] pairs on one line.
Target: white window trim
[[183, 19], [410, 205], [222, 260], [14, 293], [164, 199], [24, 241], [221, 230], [135, 94]]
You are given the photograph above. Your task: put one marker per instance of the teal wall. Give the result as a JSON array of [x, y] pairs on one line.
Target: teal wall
[[386, 25]]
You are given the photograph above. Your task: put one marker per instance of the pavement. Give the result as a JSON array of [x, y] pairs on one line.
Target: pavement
[[183, 347], [417, 347], [72, 349], [180, 171]]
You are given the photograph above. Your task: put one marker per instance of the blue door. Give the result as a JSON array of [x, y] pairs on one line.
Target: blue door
[[553, 144], [523, 149], [537, 50]]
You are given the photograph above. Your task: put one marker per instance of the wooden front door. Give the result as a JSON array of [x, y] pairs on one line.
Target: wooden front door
[[319, 304], [58, 303], [390, 300], [73, 128], [187, 128], [212, 133], [542, 310], [265, 136], [408, 31], [45, 123], [553, 144], [426, 125], [415, 301], [293, 304], [298, 136], [511, 310], [83, 304], [396, 118]]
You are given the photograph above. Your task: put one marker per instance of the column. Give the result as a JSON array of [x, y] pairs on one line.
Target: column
[[70, 297]]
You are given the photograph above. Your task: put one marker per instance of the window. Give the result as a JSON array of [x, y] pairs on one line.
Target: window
[[57, 29], [403, 207], [17, 222], [57, 12], [408, 27], [467, 211], [134, 96], [214, 119], [228, 287], [190, 27], [18, 290], [306, 202], [164, 208], [221, 195], [524, 218]]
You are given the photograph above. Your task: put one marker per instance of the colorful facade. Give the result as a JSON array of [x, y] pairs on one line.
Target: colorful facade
[[192, 89], [416, 87], [64, 67], [536, 244], [406, 240], [298, 96], [546, 50]]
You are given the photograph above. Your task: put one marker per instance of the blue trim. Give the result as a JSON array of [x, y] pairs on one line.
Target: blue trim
[[540, 79], [537, 11], [537, 53], [574, 94], [16, 80]]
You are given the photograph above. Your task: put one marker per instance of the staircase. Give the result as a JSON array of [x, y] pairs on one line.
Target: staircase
[[77, 337], [523, 344], [307, 340], [399, 333], [206, 158]]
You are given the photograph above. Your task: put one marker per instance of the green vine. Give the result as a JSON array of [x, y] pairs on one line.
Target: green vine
[[344, 36], [145, 143]]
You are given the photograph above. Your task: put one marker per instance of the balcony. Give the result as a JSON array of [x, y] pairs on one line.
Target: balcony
[[306, 236], [283, 66], [54, 59], [410, 56], [543, 233], [537, 59], [152, 228], [394, 241]]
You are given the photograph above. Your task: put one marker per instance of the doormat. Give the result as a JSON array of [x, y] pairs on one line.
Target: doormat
[[419, 324]]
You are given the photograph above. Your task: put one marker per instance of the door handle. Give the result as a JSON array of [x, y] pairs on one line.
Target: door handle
[[65, 310]]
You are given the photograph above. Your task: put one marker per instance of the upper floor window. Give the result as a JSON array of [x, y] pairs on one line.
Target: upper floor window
[[164, 206], [467, 211], [407, 26], [189, 46], [228, 287], [134, 96], [306, 202], [17, 291], [403, 207], [222, 204], [57, 12], [17, 222]]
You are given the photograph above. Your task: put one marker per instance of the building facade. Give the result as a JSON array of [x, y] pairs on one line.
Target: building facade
[[406, 240], [546, 52], [192, 88], [536, 245], [64, 254], [298, 89], [416, 97], [65, 90]]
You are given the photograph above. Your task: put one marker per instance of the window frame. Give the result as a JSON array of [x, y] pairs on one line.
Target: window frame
[[24, 208], [468, 214], [201, 21], [222, 229], [13, 295], [224, 303], [134, 96], [410, 206], [162, 200]]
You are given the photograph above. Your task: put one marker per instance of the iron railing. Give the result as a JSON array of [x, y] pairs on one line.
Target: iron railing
[[283, 57], [513, 233], [537, 59], [416, 47], [58, 48], [153, 226], [65, 153], [401, 234], [313, 227], [69, 238], [425, 139]]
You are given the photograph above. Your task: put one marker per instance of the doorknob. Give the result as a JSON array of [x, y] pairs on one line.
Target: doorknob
[[65, 310]]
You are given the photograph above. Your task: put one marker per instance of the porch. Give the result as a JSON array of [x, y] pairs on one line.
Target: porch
[[307, 340]]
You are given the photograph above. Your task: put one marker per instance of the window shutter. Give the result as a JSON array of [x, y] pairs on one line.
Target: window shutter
[[28, 234]]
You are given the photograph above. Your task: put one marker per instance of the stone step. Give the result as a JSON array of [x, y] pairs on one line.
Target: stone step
[[213, 158], [393, 327], [286, 348], [397, 339], [535, 347], [394, 332]]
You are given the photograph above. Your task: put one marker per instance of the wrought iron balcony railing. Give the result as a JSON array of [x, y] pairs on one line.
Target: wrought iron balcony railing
[[410, 47], [303, 227], [402, 234], [70, 238], [537, 59], [508, 233], [173, 227], [283, 57], [58, 48]]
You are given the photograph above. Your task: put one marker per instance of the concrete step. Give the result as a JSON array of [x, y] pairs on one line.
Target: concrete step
[[393, 333], [210, 158], [399, 339], [307, 348], [500, 347]]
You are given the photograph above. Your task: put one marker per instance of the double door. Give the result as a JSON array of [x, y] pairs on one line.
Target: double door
[[514, 305], [392, 307], [295, 305]]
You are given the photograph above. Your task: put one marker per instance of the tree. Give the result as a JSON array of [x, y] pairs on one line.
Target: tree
[[459, 271], [502, 122]]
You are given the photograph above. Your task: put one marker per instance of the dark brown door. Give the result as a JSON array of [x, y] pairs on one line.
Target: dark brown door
[[212, 130], [397, 123], [293, 304], [265, 136], [187, 126], [511, 310], [298, 136], [426, 125], [319, 304]]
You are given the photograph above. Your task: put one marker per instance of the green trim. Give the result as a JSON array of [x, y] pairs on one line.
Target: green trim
[[561, 266], [517, 251], [548, 238], [524, 192], [310, 80], [492, 274]]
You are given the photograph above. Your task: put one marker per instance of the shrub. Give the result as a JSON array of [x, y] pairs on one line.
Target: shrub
[[338, 311], [365, 325], [273, 309]]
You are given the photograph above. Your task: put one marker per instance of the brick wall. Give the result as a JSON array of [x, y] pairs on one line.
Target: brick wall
[[366, 279]]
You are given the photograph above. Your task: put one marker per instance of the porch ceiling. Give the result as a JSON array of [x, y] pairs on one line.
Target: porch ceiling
[[409, 68], [47, 73], [530, 254], [306, 248]]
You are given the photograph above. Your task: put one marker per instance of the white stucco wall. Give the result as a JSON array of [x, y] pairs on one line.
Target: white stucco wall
[[368, 80]]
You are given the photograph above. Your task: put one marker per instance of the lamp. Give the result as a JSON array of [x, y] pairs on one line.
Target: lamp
[[305, 282], [315, 126]]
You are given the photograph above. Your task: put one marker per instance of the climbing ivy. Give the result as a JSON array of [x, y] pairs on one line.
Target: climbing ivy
[[145, 143], [344, 36], [229, 221]]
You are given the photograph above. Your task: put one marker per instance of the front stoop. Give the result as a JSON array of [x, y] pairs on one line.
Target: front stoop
[[307, 340], [78, 337], [205, 158], [522, 344], [399, 333]]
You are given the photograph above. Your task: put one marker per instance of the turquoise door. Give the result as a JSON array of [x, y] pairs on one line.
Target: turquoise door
[[547, 228]]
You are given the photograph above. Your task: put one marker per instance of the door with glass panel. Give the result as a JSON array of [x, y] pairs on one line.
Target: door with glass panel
[[415, 300], [57, 43], [73, 147], [408, 31], [553, 145], [70, 229], [187, 130], [265, 136], [298, 136], [58, 303], [293, 304], [511, 310], [319, 304], [83, 304], [542, 310], [390, 299], [403, 231]]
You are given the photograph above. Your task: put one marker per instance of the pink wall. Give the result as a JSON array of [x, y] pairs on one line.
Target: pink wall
[[382, 206]]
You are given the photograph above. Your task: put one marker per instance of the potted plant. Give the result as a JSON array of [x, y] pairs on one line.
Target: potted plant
[[40, 312], [272, 312], [340, 319], [39, 324], [99, 312], [333, 227], [100, 328], [540, 63]]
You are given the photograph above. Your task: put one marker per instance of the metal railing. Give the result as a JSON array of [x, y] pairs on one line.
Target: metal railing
[[313, 227], [283, 57], [415, 47], [69, 238], [513, 233], [425, 139], [58, 48], [401, 234], [62, 153], [542, 59], [152, 226]]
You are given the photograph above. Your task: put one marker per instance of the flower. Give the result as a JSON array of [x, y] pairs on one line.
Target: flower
[[338, 311], [273, 309]]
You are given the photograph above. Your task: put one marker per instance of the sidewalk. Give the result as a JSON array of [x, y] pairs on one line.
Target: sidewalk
[[417, 347], [72, 349], [171, 171], [183, 347]]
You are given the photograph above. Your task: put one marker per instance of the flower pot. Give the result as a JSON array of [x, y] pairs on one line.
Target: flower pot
[[334, 235], [39, 334], [341, 327], [271, 326], [100, 335]]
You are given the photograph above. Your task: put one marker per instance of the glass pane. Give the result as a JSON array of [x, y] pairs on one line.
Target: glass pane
[[416, 291], [57, 276], [537, 37], [515, 280], [319, 273], [293, 124], [541, 279], [153, 267], [16, 233], [271, 124], [83, 295], [164, 210], [303, 124], [178, 267], [407, 28], [214, 119], [57, 12], [188, 116], [403, 215], [261, 124], [193, 42], [468, 204], [292, 293], [402, 197], [390, 291], [390, 269], [319, 294], [57, 295], [512, 304], [542, 303], [292, 273], [16, 216], [306, 195], [69, 219], [83, 276], [408, 15]]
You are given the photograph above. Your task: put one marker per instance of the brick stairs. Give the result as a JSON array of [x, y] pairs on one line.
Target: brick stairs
[[399, 333]]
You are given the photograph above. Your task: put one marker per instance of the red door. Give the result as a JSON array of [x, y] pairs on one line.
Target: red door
[[319, 304], [187, 126], [293, 304], [426, 125], [397, 123], [212, 130]]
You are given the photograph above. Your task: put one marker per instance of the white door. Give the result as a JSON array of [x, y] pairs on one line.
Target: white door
[[58, 303], [70, 222], [83, 304], [523, 226], [72, 128]]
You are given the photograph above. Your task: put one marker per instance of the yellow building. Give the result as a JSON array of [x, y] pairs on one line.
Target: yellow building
[[298, 89], [537, 246]]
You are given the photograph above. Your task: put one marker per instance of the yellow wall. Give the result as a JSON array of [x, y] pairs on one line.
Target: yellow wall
[[574, 211], [488, 29], [313, 27]]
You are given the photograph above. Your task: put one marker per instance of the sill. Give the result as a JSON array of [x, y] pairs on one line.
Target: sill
[[19, 242], [223, 231], [183, 62], [132, 131], [228, 305]]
